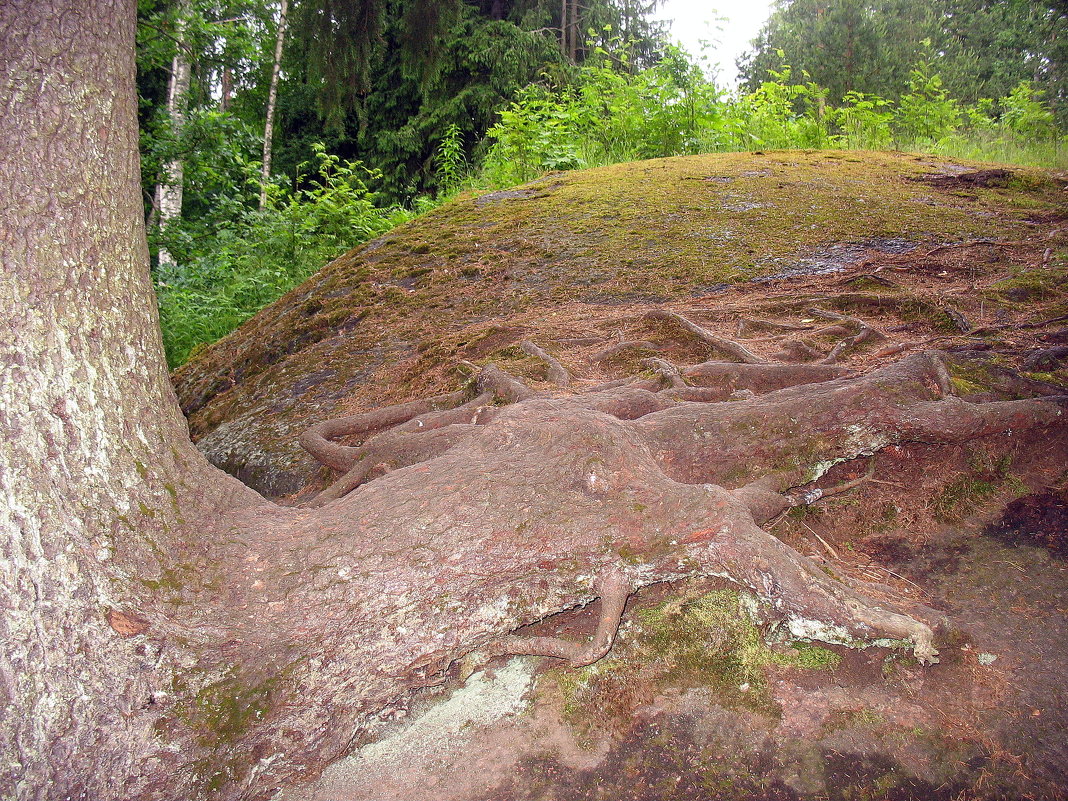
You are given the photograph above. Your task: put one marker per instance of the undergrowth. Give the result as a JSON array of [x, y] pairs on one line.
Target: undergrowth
[[607, 116], [231, 264]]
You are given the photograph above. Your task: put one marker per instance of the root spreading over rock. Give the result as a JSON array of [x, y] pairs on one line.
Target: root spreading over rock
[[537, 501]]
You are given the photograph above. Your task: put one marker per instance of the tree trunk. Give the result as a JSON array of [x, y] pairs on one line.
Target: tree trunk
[[574, 31], [170, 188], [272, 100], [564, 50], [98, 478], [226, 90]]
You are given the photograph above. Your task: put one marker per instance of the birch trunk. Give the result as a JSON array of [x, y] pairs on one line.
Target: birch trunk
[[169, 190], [272, 101]]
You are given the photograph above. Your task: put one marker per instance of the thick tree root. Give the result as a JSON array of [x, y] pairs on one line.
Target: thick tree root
[[728, 346], [557, 373], [584, 468]]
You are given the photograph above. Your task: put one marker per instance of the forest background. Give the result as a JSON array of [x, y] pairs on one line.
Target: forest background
[[374, 111]]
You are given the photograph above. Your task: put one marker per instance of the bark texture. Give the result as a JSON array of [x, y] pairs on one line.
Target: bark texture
[[97, 477]]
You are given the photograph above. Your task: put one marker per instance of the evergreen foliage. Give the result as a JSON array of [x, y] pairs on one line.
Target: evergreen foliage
[[983, 48]]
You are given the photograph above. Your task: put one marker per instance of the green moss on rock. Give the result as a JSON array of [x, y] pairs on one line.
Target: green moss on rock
[[647, 231]]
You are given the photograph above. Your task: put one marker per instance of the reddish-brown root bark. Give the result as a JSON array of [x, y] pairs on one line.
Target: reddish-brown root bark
[[728, 346], [556, 372], [613, 589], [479, 519]]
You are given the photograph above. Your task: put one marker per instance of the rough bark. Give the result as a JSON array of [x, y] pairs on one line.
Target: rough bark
[[96, 471], [167, 633]]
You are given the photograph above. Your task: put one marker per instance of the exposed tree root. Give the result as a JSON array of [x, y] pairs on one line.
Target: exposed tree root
[[728, 346], [624, 349], [862, 333], [613, 588], [650, 468], [750, 325], [557, 373]]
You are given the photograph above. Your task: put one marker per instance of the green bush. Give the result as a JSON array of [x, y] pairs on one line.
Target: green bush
[[224, 276]]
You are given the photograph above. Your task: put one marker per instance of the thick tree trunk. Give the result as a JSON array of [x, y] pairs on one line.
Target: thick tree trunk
[[99, 483], [170, 190], [272, 102]]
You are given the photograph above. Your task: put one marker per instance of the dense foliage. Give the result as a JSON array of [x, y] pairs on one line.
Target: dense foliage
[[384, 104], [607, 116], [983, 48]]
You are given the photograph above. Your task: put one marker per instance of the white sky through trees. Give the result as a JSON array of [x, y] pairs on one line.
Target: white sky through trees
[[728, 26]]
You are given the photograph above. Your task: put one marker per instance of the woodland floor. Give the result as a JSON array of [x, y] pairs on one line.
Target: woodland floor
[[691, 704]]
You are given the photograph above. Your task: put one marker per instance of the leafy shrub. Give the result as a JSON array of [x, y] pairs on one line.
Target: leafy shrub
[[926, 114], [1026, 115], [863, 121], [224, 276]]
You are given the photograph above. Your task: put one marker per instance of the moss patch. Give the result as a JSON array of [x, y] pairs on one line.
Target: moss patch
[[706, 640], [967, 493]]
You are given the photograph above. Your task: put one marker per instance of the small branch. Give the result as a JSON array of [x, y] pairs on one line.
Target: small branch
[[958, 319], [1040, 324], [830, 549], [901, 347], [809, 497], [728, 346]]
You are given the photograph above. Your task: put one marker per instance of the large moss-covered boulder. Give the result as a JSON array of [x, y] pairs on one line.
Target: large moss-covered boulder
[[573, 259]]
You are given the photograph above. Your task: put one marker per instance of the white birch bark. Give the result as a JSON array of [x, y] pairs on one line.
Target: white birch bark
[[169, 189], [272, 101]]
